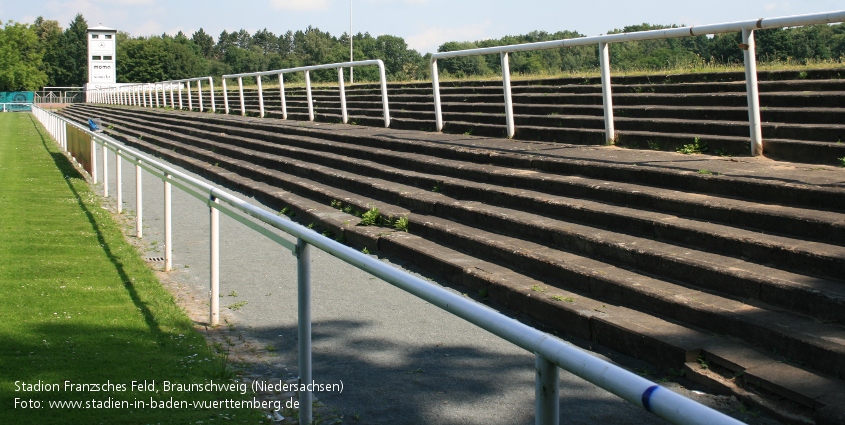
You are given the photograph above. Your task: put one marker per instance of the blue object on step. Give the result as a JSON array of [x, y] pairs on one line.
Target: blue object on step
[[93, 125]]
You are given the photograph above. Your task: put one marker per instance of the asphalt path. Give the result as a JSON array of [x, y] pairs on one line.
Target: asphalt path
[[401, 360]]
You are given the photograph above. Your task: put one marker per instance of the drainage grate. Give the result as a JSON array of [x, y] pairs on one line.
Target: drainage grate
[[155, 259]]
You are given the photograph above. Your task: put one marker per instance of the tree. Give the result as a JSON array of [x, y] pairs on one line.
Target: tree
[[73, 58], [51, 40], [462, 66], [20, 58], [205, 43]]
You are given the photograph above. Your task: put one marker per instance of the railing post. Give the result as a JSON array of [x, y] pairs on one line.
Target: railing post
[[384, 106], [211, 93], [343, 113], [506, 84], [215, 261], [172, 103], [143, 95], [118, 175], [546, 392], [225, 96], [308, 96], [190, 100], [168, 224], [163, 96], [303, 274], [752, 92], [199, 94], [606, 93], [155, 92], [241, 94], [260, 97], [105, 171], [179, 89], [435, 85], [139, 204], [282, 94]]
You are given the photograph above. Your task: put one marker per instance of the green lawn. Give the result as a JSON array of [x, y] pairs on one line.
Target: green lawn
[[78, 305]]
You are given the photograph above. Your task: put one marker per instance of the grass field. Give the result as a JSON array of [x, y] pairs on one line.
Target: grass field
[[79, 306]]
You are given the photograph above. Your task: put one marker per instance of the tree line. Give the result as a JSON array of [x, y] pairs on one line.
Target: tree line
[[44, 54]]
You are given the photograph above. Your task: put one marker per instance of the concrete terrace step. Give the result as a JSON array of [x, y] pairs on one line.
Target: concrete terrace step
[[774, 115], [219, 148], [663, 338], [807, 191], [413, 163], [724, 145], [544, 231]]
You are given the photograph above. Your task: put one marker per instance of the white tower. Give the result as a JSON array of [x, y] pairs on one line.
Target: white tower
[[102, 58], [102, 53]]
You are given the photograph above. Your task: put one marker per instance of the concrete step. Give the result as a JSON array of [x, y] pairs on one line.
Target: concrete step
[[623, 220], [785, 149], [627, 330], [585, 235]]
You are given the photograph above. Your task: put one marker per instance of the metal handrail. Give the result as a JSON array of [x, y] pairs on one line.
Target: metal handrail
[[747, 29], [550, 352], [140, 94], [307, 69]]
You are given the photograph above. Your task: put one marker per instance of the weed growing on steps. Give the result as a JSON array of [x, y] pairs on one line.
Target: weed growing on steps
[[402, 224], [696, 147], [842, 160], [371, 217], [285, 211], [655, 146], [562, 298], [365, 251], [708, 172]]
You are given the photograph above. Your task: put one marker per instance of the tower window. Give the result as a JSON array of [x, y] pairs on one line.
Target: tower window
[[96, 58], [107, 58], [108, 36], [95, 35]]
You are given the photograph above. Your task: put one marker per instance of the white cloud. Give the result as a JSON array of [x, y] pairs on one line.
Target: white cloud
[[431, 38], [299, 5]]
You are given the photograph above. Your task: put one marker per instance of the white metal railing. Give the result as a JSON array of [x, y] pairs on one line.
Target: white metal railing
[[747, 29], [59, 95], [148, 94], [550, 353], [15, 106], [306, 70]]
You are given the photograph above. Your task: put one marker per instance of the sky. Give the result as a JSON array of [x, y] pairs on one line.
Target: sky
[[424, 24]]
